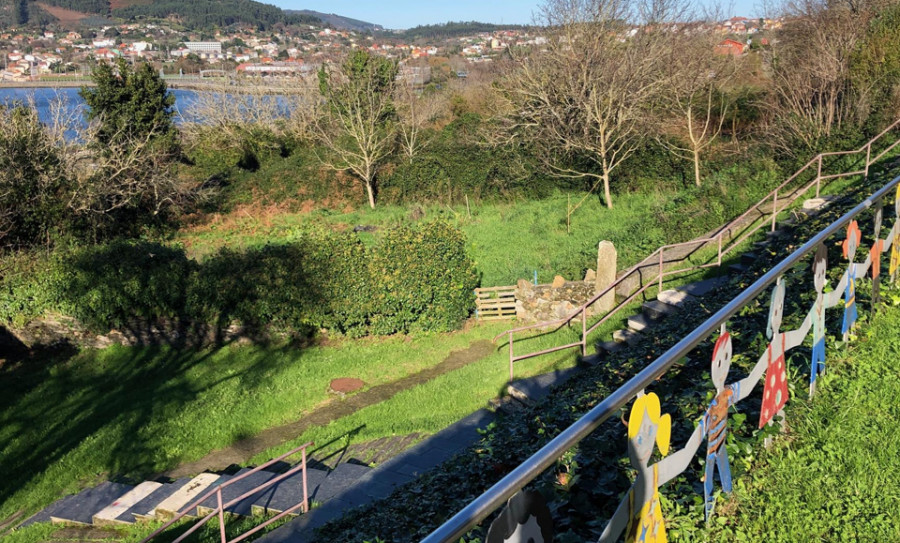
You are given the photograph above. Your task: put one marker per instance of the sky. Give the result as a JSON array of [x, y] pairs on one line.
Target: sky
[[409, 13]]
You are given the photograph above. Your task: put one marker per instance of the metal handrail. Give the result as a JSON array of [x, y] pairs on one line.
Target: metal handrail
[[544, 458], [220, 507], [718, 238]]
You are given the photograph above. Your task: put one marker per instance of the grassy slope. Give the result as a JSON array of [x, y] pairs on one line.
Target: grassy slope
[[136, 412], [837, 475], [512, 240]]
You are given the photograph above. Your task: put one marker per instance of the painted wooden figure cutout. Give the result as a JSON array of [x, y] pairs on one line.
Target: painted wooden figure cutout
[[775, 390], [715, 422], [849, 247], [875, 257], [780, 343], [639, 514], [894, 240], [823, 302]]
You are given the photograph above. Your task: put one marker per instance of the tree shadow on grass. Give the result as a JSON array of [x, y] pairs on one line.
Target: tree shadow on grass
[[70, 420]]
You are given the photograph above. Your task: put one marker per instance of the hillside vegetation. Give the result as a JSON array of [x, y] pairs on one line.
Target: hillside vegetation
[[340, 228], [197, 14]]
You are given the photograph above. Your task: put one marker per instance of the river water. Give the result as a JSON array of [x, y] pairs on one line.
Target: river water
[[43, 97]]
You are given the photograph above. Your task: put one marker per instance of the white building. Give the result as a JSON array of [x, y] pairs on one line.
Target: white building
[[204, 46]]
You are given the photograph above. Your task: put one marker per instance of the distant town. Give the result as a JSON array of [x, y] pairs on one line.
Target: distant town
[[62, 55]]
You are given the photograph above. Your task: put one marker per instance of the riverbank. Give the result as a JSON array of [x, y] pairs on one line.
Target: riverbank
[[174, 83]]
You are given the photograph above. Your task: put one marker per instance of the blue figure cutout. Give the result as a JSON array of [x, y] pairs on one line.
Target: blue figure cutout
[[817, 362], [854, 236], [715, 423]]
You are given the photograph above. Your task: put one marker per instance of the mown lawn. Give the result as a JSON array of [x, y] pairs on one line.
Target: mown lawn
[[66, 422], [129, 412]]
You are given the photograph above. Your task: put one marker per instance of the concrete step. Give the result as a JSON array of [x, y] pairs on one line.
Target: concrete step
[[80, 508], [609, 346], [538, 387], [639, 322], [673, 297], [288, 492], [627, 335], [814, 205], [737, 269], [237, 489], [657, 310], [111, 513], [749, 258], [341, 478], [701, 288], [145, 509], [176, 503], [322, 486], [506, 405]]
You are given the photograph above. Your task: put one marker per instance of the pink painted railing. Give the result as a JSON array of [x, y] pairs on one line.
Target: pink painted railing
[[658, 257], [221, 507]]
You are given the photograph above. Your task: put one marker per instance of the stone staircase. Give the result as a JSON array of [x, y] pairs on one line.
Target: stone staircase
[[110, 503], [669, 302]]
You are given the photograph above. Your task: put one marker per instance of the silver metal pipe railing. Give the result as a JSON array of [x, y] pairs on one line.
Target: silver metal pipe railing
[[496, 496]]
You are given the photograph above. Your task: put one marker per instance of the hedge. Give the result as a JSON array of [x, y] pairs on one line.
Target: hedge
[[416, 279]]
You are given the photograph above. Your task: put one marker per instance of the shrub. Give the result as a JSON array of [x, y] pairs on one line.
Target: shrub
[[33, 184], [424, 279], [417, 279], [114, 285]]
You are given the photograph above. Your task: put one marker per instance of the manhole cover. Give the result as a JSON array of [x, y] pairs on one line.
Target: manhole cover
[[346, 385]]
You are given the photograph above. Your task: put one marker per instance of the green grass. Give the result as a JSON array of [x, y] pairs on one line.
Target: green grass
[[129, 412], [137, 411], [513, 240], [836, 475], [432, 406]]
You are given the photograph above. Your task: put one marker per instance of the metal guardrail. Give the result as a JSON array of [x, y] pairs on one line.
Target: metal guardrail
[[658, 257], [497, 495], [221, 507]]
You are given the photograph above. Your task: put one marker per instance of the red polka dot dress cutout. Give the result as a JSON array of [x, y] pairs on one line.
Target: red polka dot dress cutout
[[775, 394]]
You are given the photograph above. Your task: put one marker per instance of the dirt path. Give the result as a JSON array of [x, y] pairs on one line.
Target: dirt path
[[243, 450]]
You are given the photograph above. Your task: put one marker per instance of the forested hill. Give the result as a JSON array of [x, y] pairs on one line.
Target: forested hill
[[192, 14], [338, 21], [454, 29]]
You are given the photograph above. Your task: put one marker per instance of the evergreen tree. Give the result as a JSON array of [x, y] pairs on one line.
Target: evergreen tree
[[20, 12], [132, 105]]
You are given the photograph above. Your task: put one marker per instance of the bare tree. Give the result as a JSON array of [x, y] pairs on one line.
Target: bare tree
[[693, 102], [415, 111], [813, 92], [358, 127], [583, 98], [131, 172], [247, 114]]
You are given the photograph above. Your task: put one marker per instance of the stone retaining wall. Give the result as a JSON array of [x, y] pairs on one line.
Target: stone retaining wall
[[542, 303]]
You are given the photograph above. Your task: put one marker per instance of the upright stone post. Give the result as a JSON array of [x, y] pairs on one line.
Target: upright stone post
[[606, 275]]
